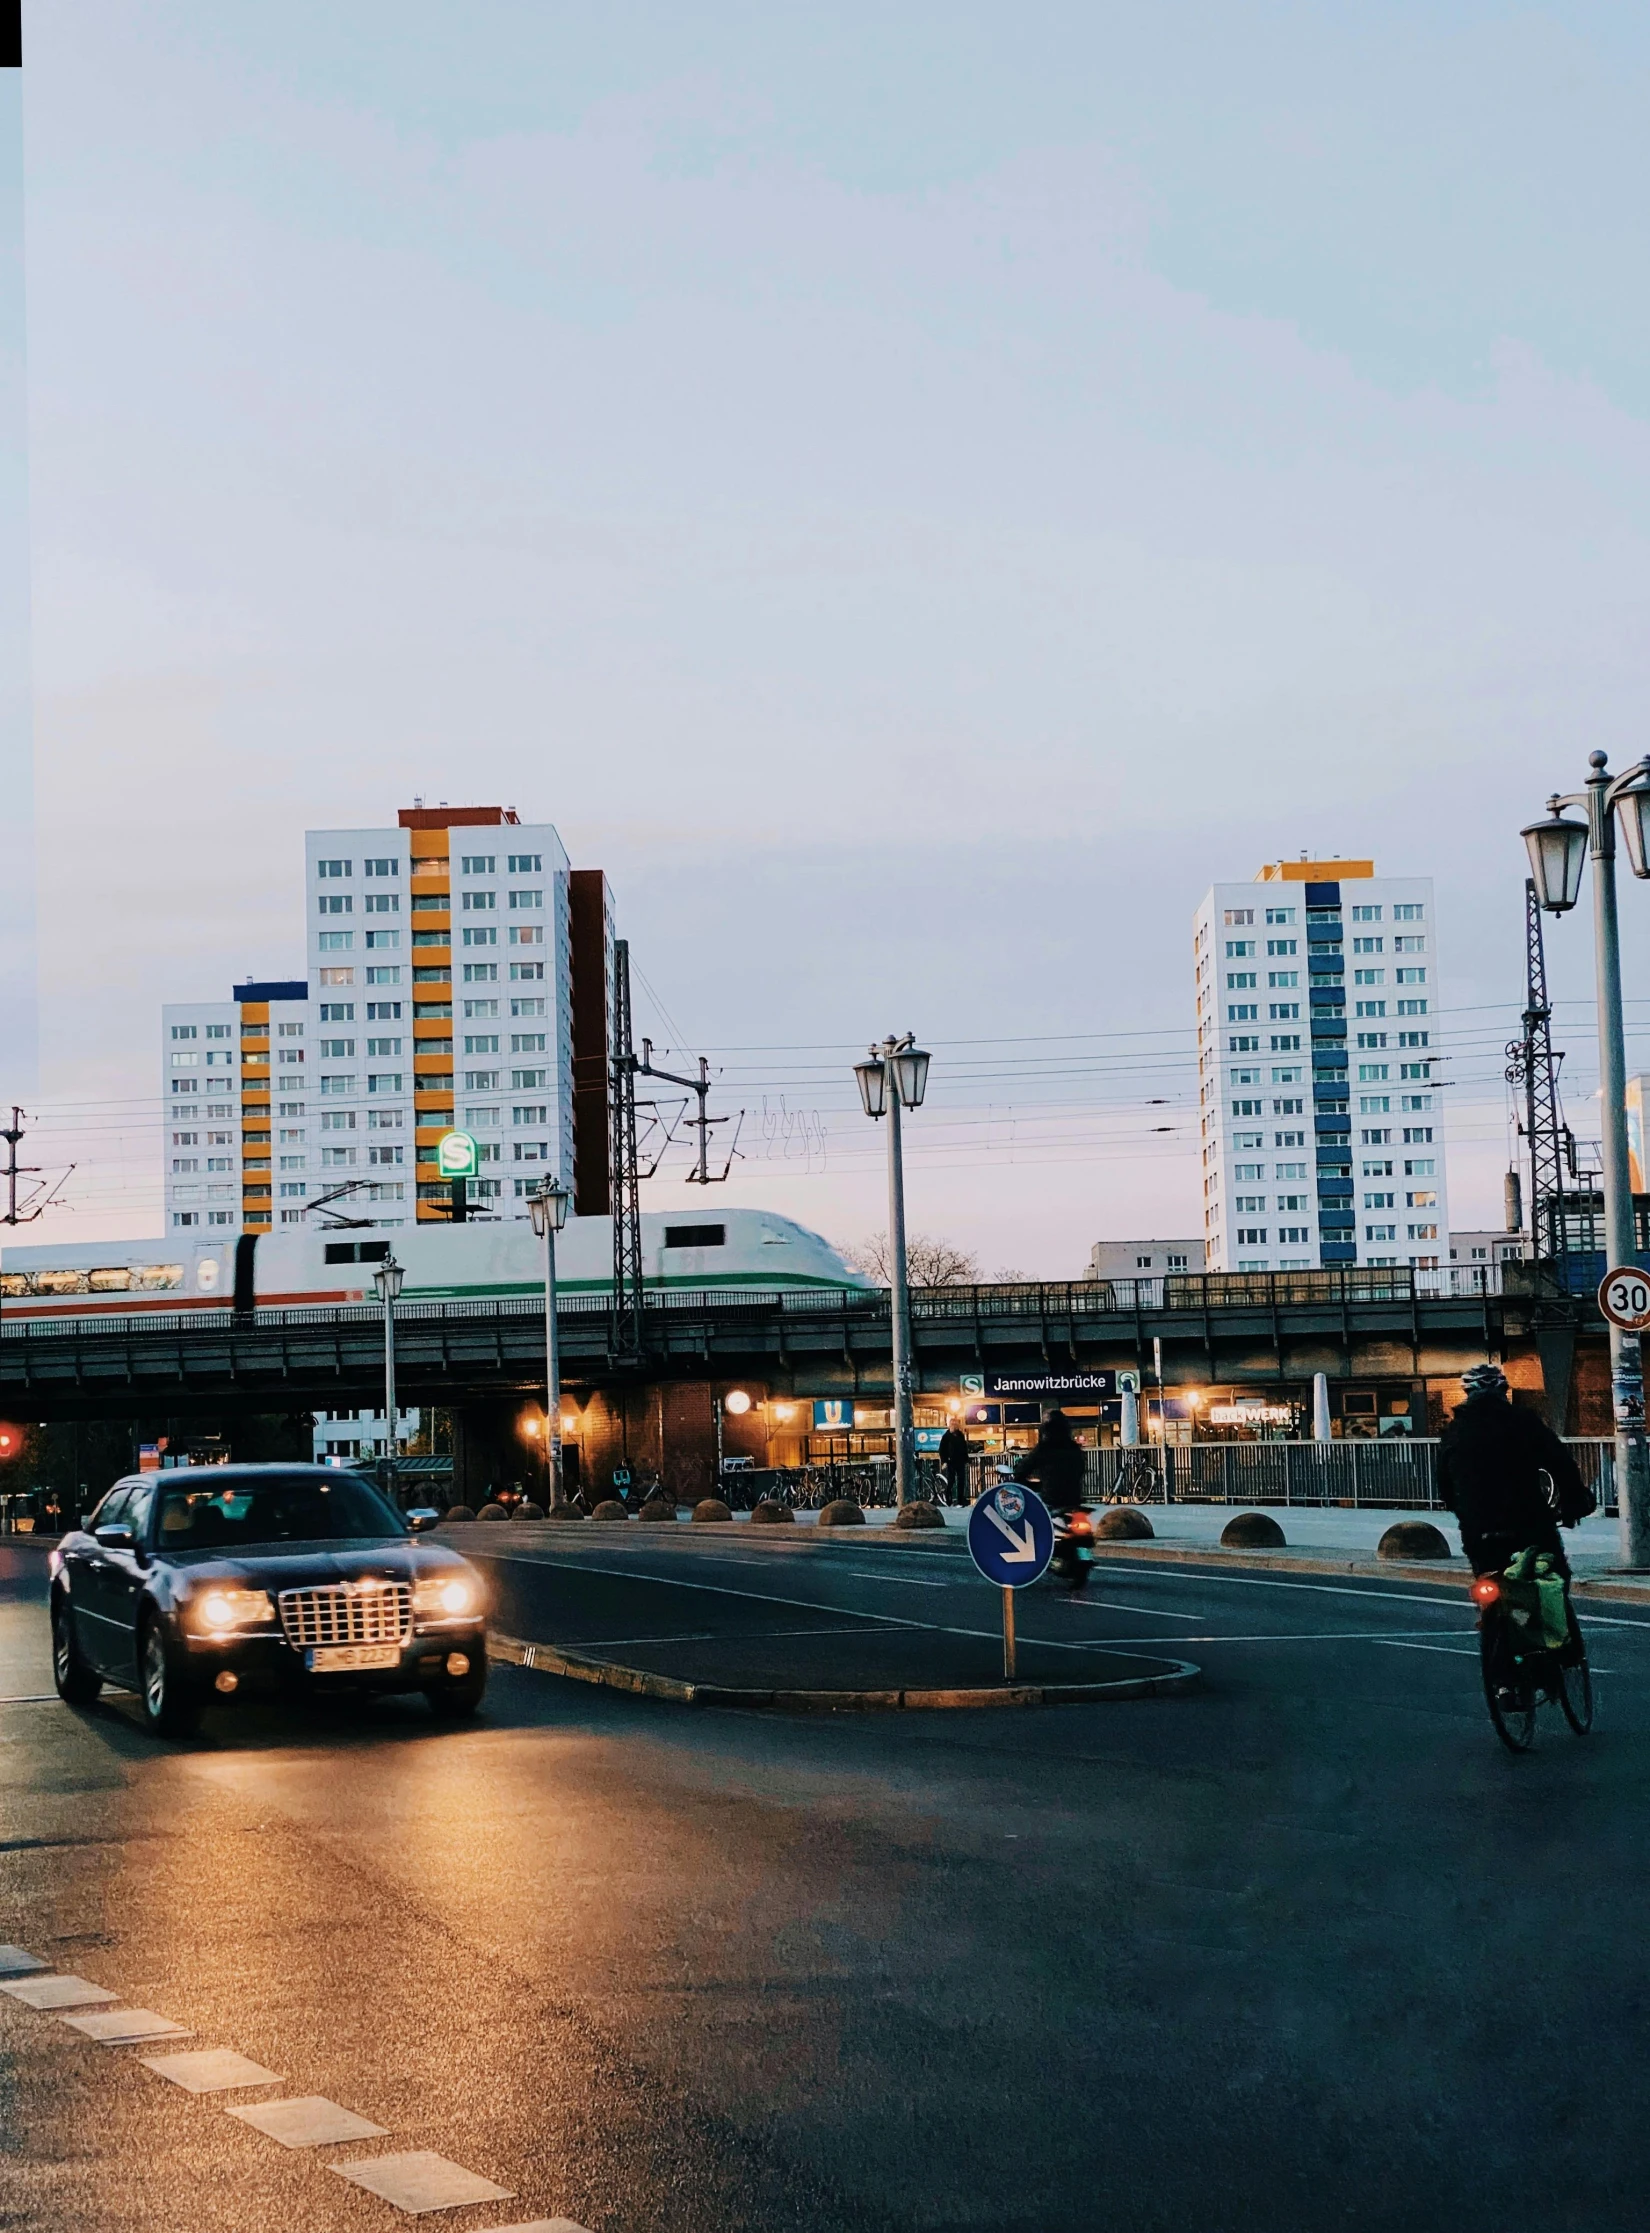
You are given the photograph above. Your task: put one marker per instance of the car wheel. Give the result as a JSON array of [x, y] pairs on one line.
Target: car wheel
[[77, 1684], [170, 1707], [457, 1696]]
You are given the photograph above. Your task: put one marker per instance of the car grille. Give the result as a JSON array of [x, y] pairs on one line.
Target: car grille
[[349, 1613]]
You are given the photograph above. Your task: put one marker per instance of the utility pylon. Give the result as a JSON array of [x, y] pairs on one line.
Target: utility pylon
[[1532, 1064], [704, 1124], [12, 1134]]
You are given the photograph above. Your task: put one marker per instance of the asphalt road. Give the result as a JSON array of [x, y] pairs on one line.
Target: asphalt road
[[1302, 1948]]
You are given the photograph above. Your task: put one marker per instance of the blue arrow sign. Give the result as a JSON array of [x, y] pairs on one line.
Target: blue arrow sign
[[1010, 1535]]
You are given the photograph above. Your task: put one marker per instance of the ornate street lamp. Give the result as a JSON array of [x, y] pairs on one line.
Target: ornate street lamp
[[1558, 848], [895, 1075], [387, 1279], [547, 1205]]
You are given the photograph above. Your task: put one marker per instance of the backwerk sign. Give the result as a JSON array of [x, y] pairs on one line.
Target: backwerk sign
[[1089, 1385]]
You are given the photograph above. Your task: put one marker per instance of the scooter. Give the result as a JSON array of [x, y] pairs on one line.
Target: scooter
[[1073, 1559]]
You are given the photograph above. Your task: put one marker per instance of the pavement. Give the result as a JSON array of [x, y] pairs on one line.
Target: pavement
[[1301, 1947]]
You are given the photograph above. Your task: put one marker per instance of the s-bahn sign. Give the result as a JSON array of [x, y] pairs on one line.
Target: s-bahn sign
[[455, 1155], [1047, 1383]]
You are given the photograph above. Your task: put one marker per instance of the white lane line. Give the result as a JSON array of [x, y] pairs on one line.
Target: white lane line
[[420, 2181], [125, 2027], [1117, 1605], [1297, 1636], [210, 2070], [1455, 1651], [31, 1698], [900, 1581], [307, 2121], [57, 1992], [768, 1597], [1323, 1589]]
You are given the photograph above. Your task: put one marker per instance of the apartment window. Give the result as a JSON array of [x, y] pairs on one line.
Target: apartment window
[[384, 941], [1238, 949], [478, 864], [337, 1159], [217, 1031], [337, 1088], [1243, 1011], [183, 1031], [386, 1155], [482, 1008], [1410, 976], [1248, 1204], [185, 1061], [482, 1042], [382, 903], [1409, 911], [1409, 945], [1292, 1236], [336, 942], [1369, 976], [1284, 1011], [186, 1139], [293, 1190], [1241, 1042], [381, 868], [534, 1113], [220, 1217], [1423, 1232], [186, 1085], [1280, 980], [383, 1081], [384, 1011], [476, 1120], [525, 972], [186, 1162], [1240, 980], [289, 1108], [290, 1055], [1281, 915], [1368, 945], [1289, 1076], [337, 976], [532, 1151], [1374, 1104], [1415, 1101], [335, 903], [1417, 1135], [487, 935], [480, 903], [385, 1120], [382, 1047], [1420, 1167], [292, 1163], [525, 864], [186, 1217], [1380, 1201], [382, 976], [1252, 1236], [1421, 1198], [331, 1049], [1289, 1108], [1380, 1232], [1412, 1007], [527, 934], [1413, 1039], [482, 972], [332, 869], [1286, 1042], [527, 1007], [1246, 1108], [526, 899], [1237, 915], [1282, 946], [1379, 1169], [1372, 1038], [481, 1081], [527, 1042], [1373, 1072], [1366, 914], [1371, 1007]]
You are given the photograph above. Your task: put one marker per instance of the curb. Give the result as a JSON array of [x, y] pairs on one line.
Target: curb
[[549, 1659]]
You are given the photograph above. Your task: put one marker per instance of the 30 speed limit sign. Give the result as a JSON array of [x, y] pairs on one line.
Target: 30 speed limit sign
[[1624, 1298]]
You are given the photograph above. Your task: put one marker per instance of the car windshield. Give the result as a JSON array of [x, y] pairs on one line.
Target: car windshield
[[275, 1508]]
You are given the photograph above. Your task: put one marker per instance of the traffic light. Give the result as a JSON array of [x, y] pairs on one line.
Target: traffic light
[[11, 1441]]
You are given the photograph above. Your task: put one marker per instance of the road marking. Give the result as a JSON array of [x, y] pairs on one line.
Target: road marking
[[57, 1992], [17, 1961], [1117, 1605], [1455, 1651], [419, 2181], [1295, 1636], [1323, 1589], [210, 2070], [307, 2121], [124, 2027], [901, 1581]]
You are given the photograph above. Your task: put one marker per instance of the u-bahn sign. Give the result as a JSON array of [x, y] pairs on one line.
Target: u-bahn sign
[[1624, 1298]]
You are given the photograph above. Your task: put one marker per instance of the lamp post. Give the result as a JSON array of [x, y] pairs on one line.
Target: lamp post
[[387, 1279], [1558, 849], [893, 1075], [547, 1205]]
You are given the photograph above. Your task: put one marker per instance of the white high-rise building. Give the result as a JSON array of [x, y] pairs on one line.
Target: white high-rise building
[[1320, 1110], [439, 994]]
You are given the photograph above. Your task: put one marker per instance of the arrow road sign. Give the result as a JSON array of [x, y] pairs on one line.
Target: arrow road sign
[[1010, 1535], [1624, 1298]]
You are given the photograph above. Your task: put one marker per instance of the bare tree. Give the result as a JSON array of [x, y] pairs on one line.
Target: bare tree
[[929, 1261]]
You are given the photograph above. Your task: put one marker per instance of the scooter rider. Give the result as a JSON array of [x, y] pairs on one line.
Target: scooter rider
[[1055, 1467]]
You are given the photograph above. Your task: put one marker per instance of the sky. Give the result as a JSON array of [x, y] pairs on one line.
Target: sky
[[915, 494]]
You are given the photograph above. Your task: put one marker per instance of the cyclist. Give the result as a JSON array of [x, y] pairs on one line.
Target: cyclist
[[1491, 1458], [1055, 1466]]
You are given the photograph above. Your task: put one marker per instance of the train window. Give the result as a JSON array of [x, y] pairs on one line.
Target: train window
[[696, 1236], [357, 1252]]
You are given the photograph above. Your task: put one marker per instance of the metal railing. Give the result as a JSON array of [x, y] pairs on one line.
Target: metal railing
[[1396, 1472], [1189, 1292]]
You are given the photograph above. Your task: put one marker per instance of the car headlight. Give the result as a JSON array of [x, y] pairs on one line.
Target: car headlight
[[222, 1609], [445, 1593]]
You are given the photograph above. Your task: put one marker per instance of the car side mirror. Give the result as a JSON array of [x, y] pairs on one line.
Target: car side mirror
[[119, 1538], [423, 1516]]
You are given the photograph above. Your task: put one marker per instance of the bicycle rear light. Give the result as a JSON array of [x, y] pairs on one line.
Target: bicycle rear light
[[1485, 1590]]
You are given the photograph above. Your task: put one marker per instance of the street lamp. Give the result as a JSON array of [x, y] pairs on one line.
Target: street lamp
[[547, 1205], [1558, 848], [387, 1279], [893, 1075]]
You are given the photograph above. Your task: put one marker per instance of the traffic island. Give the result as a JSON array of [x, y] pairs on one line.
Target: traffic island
[[882, 1670]]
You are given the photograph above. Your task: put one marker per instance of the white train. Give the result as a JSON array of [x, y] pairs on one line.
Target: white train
[[732, 1249]]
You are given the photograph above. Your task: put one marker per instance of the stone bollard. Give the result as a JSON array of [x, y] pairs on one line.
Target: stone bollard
[[1124, 1525], [610, 1508], [919, 1514], [842, 1511], [711, 1508], [459, 1512], [771, 1513], [492, 1512], [528, 1510], [1252, 1531], [657, 1508], [1413, 1539]]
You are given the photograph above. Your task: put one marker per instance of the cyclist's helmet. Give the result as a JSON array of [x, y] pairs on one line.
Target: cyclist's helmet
[[1484, 1380]]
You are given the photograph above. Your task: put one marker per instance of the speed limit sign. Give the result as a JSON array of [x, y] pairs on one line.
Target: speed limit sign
[[1624, 1298]]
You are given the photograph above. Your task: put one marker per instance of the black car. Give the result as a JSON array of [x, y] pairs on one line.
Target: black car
[[231, 1580]]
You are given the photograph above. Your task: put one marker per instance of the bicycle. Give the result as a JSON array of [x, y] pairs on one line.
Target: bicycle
[[1518, 1679]]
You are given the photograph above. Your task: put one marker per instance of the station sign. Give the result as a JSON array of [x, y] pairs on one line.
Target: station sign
[[833, 1414], [1050, 1383]]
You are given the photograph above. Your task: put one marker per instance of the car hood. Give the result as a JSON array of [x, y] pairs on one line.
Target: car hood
[[315, 1565]]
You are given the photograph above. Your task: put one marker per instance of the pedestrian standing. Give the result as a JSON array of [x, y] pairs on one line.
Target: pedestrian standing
[[954, 1460]]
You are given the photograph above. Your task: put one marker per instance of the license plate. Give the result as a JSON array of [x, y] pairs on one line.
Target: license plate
[[341, 1659]]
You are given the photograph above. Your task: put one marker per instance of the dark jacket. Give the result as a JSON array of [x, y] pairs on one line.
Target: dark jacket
[[953, 1449], [1490, 1461], [1055, 1468]]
